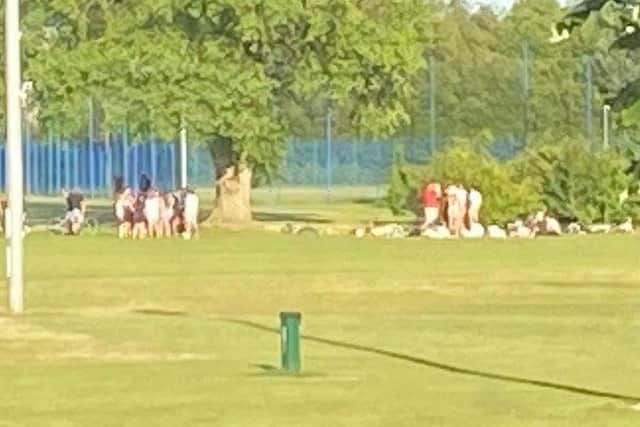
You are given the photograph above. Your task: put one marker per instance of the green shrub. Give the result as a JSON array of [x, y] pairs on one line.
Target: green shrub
[[400, 184], [578, 185], [469, 163]]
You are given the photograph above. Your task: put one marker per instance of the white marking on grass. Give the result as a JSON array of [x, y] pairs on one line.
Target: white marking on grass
[[128, 356], [11, 330]]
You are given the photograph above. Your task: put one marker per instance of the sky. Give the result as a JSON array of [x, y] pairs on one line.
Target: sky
[[500, 3]]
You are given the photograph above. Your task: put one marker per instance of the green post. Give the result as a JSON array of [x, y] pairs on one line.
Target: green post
[[290, 341]]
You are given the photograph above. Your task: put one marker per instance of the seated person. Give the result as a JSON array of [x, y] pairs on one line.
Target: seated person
[[76, 211]]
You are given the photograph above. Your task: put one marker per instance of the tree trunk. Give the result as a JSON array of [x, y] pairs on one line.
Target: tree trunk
[[232, 185]]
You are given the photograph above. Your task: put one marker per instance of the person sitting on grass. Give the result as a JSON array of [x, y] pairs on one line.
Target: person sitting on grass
[[76, 211]]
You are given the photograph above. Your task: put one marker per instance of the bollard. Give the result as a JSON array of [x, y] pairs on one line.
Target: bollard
[[290, 341]]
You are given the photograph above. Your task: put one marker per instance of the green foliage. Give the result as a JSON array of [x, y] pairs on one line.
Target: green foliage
[[469, 163], [578, 185], [401, 186], [480, 74], [619, 33], [231, 70]]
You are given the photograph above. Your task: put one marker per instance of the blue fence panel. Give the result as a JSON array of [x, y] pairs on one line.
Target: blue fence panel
[[58, 164]]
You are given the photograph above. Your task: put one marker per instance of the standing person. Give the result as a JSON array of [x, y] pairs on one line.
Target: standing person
[[453, 209], [431, 199], [145, 183], [475, 203], [463, 205], [139, 227], [118, 187]]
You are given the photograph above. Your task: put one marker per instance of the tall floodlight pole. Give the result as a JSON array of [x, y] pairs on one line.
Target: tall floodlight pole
[[14, 226], [525, 92], [605, 126], [432, 104], [183, 156], [588, 101], [329, 137]]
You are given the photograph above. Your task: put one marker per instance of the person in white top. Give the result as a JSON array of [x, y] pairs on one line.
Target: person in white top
[[463, 200], [475, 203], [451, 194]]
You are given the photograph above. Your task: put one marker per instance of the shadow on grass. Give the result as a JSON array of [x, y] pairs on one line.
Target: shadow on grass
[[289, 217], [265, 367], [377, 202], [446, 367], [270, 371], [159, 312]]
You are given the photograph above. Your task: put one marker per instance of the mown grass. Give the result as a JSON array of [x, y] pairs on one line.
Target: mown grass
[[122, 333]]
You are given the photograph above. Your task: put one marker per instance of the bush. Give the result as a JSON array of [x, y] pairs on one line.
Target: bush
[[578, 185], [401, 186], [467, 162]]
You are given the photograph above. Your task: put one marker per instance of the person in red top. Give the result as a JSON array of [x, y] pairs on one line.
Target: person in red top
[[431, 195]]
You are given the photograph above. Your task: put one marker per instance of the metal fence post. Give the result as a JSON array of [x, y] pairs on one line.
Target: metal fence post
[[329, 153], [108, 163], [605, 127], [125, 156], [134, 165], [29, 161], [153, 166], [432, 104], [525, 92], [172, 163], [58, 169], [588, 101], [67, 165], [50, 183], [76, 166], [91, 150]]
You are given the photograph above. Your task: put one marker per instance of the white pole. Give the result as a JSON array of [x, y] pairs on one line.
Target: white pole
[[183, 157], [15, 208], [605, 126]]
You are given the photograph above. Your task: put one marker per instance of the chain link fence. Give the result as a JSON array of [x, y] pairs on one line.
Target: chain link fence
[[527, 103]]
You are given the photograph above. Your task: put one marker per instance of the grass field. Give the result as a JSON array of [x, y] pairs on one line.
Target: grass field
[[179, 333]]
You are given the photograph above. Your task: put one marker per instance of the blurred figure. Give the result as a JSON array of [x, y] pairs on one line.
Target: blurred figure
[[431, 199], [139, 223], [151, 209], [118, 187], [453, 210], [475, 203], [76, 211], [145, 183], [167, 213], [123, 209], [190, 213]]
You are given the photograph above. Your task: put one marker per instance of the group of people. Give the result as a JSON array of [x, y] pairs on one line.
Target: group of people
[[152, 213], [453, 207]]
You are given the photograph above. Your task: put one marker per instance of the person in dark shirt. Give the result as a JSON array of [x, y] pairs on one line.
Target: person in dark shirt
[[75, 200], [145, 183], [139, 230], [76, 211]]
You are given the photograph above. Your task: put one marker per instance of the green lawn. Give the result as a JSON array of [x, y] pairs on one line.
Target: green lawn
[[343, 206], [122, 333]]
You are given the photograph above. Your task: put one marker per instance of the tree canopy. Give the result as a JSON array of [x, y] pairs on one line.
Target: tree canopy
[[228, 70], [620, 22]]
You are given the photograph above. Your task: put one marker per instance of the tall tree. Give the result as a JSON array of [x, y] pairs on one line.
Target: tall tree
[[227, 70], [621, 20]]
